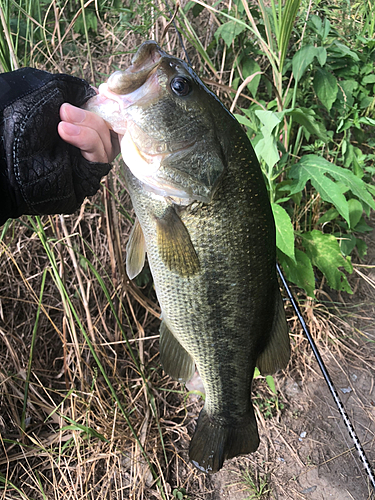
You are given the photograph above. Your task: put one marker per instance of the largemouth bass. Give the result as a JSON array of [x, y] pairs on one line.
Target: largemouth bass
[[204, 219]]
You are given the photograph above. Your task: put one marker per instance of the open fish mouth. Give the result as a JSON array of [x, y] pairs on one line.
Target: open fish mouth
[[126, 88], [137, 81], [145, 60]]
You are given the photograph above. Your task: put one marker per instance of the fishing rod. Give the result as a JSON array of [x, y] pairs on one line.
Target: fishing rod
[[330, 384]]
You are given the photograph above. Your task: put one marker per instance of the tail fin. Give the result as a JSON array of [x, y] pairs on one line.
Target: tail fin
[[213, 443]]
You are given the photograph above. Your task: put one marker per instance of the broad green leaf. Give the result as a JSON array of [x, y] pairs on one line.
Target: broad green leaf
[[324, 252], [321, 27], [347, 243], [326, 88], [299, 271], [355, 212], [326, 28], [271, 383], [266, 149], [315, 169], [361, 247], [331, 214], [245, 121], [306, 118], [321, 55], [270, 119], [362, 227], [302, 59], [367, 121], [344, 50], [368, 79], [284, 230], [228, 31], [250, 67]]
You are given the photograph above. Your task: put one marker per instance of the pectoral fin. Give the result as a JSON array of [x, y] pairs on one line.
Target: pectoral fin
[[175, 246], [135, 251], [276, 354], [176, 361]]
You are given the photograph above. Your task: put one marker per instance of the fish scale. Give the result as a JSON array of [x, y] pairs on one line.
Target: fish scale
[[205, 221]]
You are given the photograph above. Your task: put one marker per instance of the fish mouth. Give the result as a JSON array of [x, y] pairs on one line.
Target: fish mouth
[[129, 83], [144, 62], [131, 86]]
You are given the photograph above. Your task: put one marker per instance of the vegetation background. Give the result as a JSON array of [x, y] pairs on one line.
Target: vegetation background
[[86, 411]]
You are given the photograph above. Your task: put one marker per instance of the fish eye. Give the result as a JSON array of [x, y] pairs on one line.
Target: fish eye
[[180, 86]]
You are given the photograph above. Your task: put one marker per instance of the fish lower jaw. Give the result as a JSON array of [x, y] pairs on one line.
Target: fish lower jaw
[[121, 100]]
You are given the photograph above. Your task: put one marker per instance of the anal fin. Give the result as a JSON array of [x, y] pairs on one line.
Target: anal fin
[[175, 360], [135, 251], [277, 352], [174, 244]]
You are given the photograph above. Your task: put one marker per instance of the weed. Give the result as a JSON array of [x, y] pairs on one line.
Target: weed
[[256, 484]]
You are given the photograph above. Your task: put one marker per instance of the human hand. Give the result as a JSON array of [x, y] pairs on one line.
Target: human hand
[[88, 132], [40, 173]]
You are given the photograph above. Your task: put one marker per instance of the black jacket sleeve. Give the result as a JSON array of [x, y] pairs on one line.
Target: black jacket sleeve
[[39, 172]]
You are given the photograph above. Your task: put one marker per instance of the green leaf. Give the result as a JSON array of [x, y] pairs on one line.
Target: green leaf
[[355, 212], [266, 148], [245, 121], [229, 31], [347, 243], [284, 230], [361, 247], [324, 252], [270, 119], [368, 79], [326, 28], [271, 383], [316, 169], [86, 430], [306, 118], [326, 88], [321, 55], [302, 59], [331, 214], [250, 67], [344, 50], [299, 271], [286, 19]]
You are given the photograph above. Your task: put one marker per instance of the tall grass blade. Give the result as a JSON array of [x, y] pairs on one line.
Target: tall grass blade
[[8, 58], [31, 354], [288, 17]]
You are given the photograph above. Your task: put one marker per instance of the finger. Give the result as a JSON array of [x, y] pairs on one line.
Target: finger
[[86, 139], [83, 118]]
